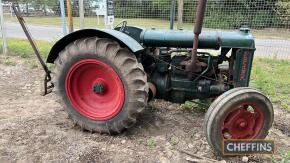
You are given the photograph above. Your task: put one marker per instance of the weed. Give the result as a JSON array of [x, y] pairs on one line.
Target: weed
[[187, 105], [284, 157], [174, 140], [151, 143], [200, 105], [140, 141], [9, 62]]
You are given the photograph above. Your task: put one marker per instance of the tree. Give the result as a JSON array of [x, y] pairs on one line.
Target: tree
[[283, 10]]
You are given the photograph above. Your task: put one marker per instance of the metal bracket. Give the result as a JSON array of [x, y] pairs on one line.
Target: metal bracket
[[48, 85]]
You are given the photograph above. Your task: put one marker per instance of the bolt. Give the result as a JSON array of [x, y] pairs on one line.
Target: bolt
[[227, 135], [243, 124]]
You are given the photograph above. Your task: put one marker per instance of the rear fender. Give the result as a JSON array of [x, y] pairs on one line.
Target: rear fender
[[123, 39]]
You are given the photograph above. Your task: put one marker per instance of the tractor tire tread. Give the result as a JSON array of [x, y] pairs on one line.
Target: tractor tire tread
[[128, 67], [218, 107]]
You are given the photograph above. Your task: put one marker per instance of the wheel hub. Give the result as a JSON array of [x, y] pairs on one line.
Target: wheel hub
[[243, 124], [99, 89], [95, 89]]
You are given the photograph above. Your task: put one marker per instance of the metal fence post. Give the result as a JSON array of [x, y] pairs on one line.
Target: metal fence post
[[82, 14], [106, 14], [180, 14], [4, 41], [172, 13], [62, 11]]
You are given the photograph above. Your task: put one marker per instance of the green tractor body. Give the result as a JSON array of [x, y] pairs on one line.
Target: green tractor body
[[162, 51], [174, 84]]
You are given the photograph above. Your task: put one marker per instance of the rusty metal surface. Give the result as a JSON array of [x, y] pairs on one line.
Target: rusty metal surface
[[193, 65]]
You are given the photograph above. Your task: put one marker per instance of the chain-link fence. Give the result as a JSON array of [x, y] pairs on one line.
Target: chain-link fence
[[268, 19]]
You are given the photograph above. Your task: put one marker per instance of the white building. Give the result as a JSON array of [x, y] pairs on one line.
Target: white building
[[100, 7]]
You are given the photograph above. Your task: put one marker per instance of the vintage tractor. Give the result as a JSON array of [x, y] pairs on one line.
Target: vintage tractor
[[106, 77]]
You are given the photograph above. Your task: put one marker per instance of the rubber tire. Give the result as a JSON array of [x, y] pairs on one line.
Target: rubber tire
[[223, 105], [213, 107], [123, 62]]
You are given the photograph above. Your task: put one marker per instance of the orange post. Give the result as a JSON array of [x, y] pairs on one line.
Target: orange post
[[69, 16]]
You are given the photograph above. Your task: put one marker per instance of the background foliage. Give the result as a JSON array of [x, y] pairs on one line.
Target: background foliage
[[226, 14], [229, 13]]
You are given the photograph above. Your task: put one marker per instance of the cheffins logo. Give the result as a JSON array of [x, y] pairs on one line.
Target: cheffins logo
[[245, 147]]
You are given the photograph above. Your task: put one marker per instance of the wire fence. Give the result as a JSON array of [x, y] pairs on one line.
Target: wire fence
[[268, 19]]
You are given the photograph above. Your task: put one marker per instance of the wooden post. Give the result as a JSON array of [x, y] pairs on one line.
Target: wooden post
[[82, 14], [98, 19], [4, 41], [69, 15], [180, 14]]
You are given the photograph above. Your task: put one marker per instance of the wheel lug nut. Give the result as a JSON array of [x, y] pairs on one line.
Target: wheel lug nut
[[227, 135]]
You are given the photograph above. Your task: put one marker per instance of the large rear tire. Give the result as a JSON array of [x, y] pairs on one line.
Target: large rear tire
[[102, 85], [241, 113]]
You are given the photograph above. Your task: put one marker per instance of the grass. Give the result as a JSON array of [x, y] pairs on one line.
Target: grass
[[92, 22], [8, 62], [271, 76], [23, 48]]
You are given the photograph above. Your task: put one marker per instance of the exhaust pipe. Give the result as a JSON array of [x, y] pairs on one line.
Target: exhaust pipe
[[193, 64]]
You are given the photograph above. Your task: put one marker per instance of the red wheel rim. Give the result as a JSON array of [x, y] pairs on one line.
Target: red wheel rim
[[95, 89], [245, 122]]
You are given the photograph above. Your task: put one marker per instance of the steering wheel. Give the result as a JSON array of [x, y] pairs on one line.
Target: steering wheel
[[122, 26]]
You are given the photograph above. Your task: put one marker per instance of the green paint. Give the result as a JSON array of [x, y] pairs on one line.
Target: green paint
[[207, 40]]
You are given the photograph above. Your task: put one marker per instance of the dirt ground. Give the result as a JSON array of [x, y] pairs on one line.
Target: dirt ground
[[34, 128]]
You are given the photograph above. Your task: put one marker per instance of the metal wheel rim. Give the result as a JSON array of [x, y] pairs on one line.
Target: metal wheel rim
[[95, 89]]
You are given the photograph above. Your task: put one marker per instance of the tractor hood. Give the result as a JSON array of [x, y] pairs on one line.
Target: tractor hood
[[207, 40]]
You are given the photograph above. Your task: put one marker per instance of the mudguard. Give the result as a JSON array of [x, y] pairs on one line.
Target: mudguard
[[120, 37]]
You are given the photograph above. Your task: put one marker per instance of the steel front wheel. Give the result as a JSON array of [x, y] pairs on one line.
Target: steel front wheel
[[241, 113], [102, 86]]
